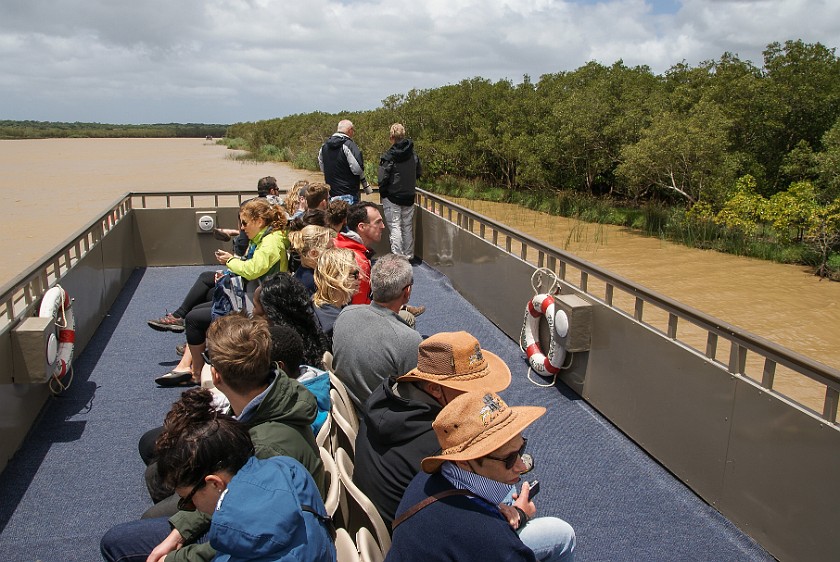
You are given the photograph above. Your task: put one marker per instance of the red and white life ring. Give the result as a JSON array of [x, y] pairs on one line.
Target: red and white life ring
[[558, 325], [58, 305]]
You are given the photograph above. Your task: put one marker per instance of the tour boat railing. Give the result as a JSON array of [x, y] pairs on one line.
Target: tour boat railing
[[19, 295], [672, 319], [706, 335]]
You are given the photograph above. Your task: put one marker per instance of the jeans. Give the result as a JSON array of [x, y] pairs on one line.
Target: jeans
[[133, 541], [551, 539], [400, 220]]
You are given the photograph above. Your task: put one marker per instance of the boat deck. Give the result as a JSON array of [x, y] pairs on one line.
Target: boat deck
[[79, 472]]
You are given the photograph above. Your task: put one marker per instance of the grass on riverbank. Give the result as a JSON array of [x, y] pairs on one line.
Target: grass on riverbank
[[651, 219]]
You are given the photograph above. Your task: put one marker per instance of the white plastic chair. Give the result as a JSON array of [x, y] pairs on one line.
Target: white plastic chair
[[344, 548], [362, 512], [349, 409], [323, 437], [344, 434], [334, 483], [367, 546]]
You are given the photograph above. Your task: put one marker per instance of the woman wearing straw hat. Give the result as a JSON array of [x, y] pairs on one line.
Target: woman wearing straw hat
[[456, 498]]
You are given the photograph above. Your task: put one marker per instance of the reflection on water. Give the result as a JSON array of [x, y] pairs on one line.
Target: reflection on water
[[783, 303]]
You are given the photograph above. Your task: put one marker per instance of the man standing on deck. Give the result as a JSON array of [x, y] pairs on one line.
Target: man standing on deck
[[458, 498], [341, 161]]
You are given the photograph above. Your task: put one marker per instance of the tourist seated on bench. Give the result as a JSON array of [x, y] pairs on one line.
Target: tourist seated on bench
[[284, 301], [267, 254]]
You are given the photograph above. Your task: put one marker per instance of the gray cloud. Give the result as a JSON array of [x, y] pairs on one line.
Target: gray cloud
[[234, 60]]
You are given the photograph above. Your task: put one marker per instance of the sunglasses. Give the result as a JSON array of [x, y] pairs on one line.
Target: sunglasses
[[354, 274], [510, 460], [206, 356], [186, 503]]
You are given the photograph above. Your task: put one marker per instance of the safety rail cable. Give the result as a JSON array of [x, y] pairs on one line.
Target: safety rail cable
[[559, 261]]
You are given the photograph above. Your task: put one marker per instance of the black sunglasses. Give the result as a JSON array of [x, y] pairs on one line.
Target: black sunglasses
[[186, 503], [510, 460], [206, 357]]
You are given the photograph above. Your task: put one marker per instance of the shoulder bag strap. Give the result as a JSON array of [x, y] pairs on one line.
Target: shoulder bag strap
[[427, 502]]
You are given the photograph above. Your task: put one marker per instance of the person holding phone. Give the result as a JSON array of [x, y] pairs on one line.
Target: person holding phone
[[457, 497]]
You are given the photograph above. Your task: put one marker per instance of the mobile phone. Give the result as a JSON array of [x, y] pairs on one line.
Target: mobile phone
[[533, 489]]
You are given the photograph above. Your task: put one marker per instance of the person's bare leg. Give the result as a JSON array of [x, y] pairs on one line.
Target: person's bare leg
[[197, 361], [185, 364]]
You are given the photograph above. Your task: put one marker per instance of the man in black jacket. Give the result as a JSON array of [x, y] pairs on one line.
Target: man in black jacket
[[340, 158], [399, 169], [395, 431]]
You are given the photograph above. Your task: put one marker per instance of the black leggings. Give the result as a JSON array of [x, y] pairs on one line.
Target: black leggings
[[196, 323], [200, 292]]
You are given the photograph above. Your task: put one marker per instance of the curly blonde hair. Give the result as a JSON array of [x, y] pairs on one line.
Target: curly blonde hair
[[261, 209], [333, 281], [310, 242]]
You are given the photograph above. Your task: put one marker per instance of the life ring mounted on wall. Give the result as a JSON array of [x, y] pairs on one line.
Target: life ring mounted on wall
[[542, 305], [58, 305]]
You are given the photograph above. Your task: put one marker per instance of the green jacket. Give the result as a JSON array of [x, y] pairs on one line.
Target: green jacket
[[270, 256], [281, 425]]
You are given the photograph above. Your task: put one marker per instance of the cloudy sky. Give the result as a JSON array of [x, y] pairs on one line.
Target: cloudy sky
[[223, 61]]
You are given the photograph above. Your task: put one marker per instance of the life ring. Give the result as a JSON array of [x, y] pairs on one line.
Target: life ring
[[58, 305], [558, 325]]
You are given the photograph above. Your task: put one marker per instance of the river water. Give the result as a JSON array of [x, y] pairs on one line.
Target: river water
[[51, 188]]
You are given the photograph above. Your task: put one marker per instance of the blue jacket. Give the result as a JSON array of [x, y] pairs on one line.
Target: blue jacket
[[259, 517], [464, 528], [317, 381]]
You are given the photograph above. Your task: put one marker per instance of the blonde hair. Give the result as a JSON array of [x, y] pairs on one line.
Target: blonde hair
[[261, 209], [332, 277], [311, 238], [291, 202], [397, 132]]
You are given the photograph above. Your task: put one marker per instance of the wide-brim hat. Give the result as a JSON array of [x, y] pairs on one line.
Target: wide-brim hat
[[455, 360], [475, 424]]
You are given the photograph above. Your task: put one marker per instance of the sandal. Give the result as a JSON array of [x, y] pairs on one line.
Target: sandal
[[175, 378]]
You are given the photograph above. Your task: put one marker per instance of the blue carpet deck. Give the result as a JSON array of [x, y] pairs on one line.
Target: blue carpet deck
[[79, 472]]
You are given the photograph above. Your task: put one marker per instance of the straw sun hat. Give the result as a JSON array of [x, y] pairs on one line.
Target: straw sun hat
[[475, 424], [455, 360]]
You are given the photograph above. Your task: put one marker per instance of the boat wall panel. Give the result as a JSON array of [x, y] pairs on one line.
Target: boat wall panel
[[93, 282], [672, 402], [774, 492], [167, 237]]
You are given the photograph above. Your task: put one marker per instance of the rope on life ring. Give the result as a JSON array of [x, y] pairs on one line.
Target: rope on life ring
[[542, 305], [58, 305]]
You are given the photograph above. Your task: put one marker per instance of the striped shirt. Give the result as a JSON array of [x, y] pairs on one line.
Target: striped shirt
[[491, 490]]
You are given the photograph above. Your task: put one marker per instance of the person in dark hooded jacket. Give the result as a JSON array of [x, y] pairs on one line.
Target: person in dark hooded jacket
[[395, 429], [341, 161], [399, 169]]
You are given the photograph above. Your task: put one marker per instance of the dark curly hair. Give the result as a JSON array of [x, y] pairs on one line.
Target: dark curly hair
[[197, 441], [286, 303]]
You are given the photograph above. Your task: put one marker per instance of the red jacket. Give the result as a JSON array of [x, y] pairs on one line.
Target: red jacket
[[361, 252]]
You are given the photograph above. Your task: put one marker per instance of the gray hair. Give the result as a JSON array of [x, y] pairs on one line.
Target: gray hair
[[390, 275]]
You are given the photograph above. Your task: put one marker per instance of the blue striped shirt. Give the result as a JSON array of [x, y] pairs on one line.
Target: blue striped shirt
[[491, 490]]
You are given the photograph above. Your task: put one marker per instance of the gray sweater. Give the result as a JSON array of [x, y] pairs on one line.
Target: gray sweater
[[370, 344]]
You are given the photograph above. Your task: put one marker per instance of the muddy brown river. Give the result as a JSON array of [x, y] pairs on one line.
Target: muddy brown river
[[52, 188]]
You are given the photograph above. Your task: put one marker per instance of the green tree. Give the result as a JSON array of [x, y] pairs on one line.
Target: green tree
[[743, 210], [791, 211], [684, 154], [824, 235]]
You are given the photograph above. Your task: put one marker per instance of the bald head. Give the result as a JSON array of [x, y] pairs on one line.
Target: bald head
[[346, 126]]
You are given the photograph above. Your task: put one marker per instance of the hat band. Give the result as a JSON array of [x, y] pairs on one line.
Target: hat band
[[489, 432], [460, 376]]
